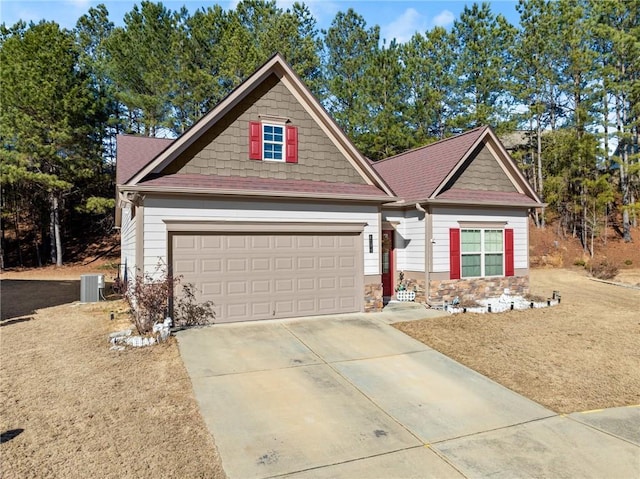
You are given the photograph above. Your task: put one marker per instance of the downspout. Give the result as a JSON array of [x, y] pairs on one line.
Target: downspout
[[427, 248]]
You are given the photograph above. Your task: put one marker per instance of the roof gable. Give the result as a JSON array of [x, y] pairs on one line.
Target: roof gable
[[471, 167], [224, 148], [481, 171], [171, 160], [416, 174]]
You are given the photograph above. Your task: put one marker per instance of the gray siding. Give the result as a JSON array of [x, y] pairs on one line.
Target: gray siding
[[128, 242], [224, 149], [409, 239], [445, 218], [157, 209], [482, 172]]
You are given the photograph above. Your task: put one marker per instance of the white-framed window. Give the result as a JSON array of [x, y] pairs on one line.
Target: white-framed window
[[482, 252], [273, 142]]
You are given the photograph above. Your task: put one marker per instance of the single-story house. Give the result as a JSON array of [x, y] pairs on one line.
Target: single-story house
[[271, 212], [460, 228]]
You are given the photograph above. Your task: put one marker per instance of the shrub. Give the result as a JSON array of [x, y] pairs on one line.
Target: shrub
[[188, 312], [469, 303], [604, 270], [628, 262], [149, 297], [534, 297], [580, 262]]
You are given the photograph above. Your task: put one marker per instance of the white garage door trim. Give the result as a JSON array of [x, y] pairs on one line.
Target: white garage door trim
[[319, 279], [275, 226]]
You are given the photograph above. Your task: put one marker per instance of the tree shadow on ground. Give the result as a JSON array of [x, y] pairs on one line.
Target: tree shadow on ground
[[22, 297], [8, 435]]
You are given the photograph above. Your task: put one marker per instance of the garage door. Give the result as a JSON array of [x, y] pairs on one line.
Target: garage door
[[268, 276]]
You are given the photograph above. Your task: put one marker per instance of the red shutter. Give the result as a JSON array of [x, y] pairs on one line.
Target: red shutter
[[292, 144], [508, 253], [454, 253], [255, 140]]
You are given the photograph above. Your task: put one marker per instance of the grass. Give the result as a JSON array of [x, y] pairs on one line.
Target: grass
[[580, 355], [73, 408]]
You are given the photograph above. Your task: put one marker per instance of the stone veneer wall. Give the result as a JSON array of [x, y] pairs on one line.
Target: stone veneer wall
[[476, 288], [373, 297], [417, 285]]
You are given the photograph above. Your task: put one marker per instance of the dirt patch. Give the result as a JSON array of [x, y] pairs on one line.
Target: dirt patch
[[578, 356], [73, 408], [552, 247], [108, 266]]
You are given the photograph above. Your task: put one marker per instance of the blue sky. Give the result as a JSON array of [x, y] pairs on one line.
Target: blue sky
[[397, 19]]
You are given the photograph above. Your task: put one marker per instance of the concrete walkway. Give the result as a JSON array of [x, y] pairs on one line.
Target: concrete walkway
[[351, 397]]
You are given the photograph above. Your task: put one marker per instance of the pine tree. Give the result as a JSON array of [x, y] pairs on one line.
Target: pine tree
[[616, 28], [349, 49], [429, 77], [386, 131], [141, 67], [535, 76], [47, 123], [483, 67]]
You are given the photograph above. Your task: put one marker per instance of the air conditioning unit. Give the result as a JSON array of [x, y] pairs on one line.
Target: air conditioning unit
[[90, 287]]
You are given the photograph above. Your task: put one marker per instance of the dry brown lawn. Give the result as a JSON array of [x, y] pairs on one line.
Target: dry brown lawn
[[581, 355], [72, 408]]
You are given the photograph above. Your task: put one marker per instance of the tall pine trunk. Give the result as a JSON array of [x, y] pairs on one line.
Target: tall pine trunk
[[539, 155], [54, 228], [623, 148]]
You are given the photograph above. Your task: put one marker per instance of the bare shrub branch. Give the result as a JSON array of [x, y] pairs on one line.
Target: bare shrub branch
[[149, 297]]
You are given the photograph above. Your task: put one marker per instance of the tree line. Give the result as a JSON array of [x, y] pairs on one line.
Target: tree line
[[563, 84]]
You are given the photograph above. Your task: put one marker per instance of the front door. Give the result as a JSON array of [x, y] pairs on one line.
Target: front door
[[387, 262]]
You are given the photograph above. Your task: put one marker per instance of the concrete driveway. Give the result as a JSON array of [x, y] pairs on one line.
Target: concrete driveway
[[351, 397]]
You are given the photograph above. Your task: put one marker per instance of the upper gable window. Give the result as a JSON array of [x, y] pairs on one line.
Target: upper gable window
[[273, 142]]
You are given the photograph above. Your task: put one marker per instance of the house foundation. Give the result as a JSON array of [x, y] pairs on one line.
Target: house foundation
[[414, 281], [373, 297], [476, 288]]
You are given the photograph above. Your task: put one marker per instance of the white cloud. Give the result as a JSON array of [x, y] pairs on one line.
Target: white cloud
[[403, 27], [443, 19]]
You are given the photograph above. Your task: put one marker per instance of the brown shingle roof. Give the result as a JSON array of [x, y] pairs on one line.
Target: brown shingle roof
[[225, 183], [416, 174], [135, 152]]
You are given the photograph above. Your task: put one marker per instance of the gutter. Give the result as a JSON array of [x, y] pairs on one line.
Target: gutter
[[255, 193]]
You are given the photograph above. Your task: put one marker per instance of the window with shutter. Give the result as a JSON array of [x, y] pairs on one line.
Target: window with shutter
[[454, 253], [509, 269], [292, 144], [255, 140], [481, 252], [273, 142]]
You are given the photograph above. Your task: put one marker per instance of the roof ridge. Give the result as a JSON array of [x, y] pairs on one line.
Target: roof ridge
[[460, 135], [135, 135]]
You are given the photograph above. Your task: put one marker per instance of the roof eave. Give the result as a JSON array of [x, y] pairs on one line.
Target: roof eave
[[191, 135], [218, 192], [476, 203], [275, 65], [460, 162]]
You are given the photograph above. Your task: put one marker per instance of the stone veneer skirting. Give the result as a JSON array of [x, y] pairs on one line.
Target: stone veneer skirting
[[373, 297], [417, 285], [476, 288]]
